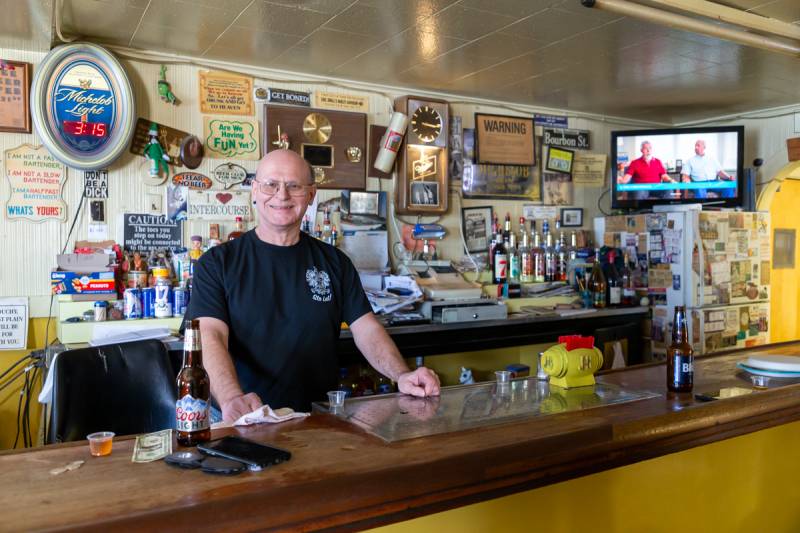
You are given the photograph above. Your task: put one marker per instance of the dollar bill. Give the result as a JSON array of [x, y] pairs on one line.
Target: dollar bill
[[152, 446]]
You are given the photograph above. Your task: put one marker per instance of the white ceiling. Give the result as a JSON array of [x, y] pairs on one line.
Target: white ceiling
[[553, 53]]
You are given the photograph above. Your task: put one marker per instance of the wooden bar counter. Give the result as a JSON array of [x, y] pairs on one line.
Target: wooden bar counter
[[341, 477]]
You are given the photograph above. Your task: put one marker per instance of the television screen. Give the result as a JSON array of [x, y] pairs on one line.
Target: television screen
[[686, 165]]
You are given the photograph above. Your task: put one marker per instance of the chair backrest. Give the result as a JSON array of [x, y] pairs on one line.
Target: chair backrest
[[125, 388]]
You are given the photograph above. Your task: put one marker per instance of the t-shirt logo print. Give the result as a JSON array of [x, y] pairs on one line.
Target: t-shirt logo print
[[320, 284]]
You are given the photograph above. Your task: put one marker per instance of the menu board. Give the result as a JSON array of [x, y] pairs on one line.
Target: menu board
[[225, 93], [36, 180]]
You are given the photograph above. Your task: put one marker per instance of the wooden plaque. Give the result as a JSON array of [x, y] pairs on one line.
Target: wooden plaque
[[504, 140], [339, 154]]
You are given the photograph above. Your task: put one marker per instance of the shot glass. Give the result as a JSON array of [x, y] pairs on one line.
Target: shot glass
[[100, 443], [759, 382], [336, 398], [503, 376]]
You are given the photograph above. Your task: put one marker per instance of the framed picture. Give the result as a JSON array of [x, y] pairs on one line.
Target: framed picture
[[571, 217], [15, 90], [559, 160], [500, 181], [476, 223], [504, 140], [424, 193]]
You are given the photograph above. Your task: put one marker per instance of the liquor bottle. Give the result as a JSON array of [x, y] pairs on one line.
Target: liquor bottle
[[239, 231], [305, 227], [513, 259], [525, 260], [191, 409], [561, 254], [538, 255], [326, 227], [500, 262], [317, 232], [680, 356], [492, 246], [522, 231], [614, 281], [597, 282], [334, 236], [572, 252], [507, 228], [628, 289], [550, 263]]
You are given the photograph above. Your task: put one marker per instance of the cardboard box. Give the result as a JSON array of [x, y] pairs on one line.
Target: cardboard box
[[82, 282], [793, 147]]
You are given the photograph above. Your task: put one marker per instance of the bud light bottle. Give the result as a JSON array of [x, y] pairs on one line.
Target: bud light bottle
[[191, 410], [680, 356]]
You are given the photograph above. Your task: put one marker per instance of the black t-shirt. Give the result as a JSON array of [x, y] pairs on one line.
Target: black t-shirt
[[284, 306]]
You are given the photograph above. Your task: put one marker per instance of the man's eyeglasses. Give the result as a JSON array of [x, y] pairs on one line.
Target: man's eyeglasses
[[271, 187]]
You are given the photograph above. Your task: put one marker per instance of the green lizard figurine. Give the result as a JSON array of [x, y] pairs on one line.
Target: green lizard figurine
[[164, 90]]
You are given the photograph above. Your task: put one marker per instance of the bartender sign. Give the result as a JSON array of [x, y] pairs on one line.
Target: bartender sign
[[13, 323], [95, 183]]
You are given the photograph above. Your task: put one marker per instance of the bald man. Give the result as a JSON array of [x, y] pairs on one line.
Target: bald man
[[271, 304]]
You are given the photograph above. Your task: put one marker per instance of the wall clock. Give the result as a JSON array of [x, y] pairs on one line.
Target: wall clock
[[82, 106], [422, 185]]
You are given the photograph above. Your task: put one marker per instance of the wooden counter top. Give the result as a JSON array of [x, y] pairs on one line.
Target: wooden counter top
[[342, 477]]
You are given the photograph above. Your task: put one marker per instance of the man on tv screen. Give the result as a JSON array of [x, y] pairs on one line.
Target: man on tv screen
[[701, 168], [647, 169]]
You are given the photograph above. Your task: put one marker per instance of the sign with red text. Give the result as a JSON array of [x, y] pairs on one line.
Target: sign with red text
[[219, 205], [36, 181]]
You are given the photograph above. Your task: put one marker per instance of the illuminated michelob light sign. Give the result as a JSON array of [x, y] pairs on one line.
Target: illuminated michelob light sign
[[82, 106]]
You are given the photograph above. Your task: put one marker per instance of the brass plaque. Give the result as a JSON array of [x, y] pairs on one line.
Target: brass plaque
[[317, 128]]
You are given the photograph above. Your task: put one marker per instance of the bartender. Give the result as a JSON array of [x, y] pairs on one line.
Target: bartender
[[271, 304]]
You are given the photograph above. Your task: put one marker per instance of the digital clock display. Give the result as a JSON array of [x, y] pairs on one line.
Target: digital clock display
[[78, 128]]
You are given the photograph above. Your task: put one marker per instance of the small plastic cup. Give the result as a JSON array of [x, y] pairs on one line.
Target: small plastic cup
[[503, 376], [336, 398], [100, 443]]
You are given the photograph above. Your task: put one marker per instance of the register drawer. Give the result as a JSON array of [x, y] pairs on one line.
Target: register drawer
[[473, 313]]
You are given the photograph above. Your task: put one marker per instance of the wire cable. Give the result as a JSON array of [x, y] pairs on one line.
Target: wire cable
[[20, 360]]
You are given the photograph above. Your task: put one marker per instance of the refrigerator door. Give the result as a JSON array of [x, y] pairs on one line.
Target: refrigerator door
[[729, 259], [734, 326]]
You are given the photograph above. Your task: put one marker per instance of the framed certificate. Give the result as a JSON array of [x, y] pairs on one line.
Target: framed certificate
[[15, 89], [559, 160]]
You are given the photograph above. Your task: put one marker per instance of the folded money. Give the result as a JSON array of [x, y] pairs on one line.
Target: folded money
[[152, 446]]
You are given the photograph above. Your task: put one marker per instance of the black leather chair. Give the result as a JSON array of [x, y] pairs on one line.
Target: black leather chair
[[125, 388]]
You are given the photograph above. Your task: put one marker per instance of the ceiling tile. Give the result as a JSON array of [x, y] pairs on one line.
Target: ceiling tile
[[503, 46], [375, 20], [785, 10], [251, 47], [328, 7], [423, 8], [552, 25], [288, 20], [512, 8], [188, 41], [464, 23], [401, 52], [26, 24], [323, 50], [453, 65], [110, 21], [186, 15]]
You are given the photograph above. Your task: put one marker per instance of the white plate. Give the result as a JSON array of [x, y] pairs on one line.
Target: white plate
[[770, 373], [781, 363]]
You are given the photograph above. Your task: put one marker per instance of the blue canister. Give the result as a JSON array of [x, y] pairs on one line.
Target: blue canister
[[148, 302], [133, 304], [180, 300], [163, 299]]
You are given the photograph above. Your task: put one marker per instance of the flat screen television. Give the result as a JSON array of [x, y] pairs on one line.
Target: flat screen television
[[679, 165]]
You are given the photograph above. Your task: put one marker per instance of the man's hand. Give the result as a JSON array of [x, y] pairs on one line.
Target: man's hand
[[240, 405], [421, 382]]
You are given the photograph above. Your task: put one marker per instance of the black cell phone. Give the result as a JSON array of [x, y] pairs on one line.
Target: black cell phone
[[255, 455]]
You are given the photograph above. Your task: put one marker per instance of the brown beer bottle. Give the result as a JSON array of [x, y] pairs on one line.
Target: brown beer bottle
[[680, 356], [191, 410]]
